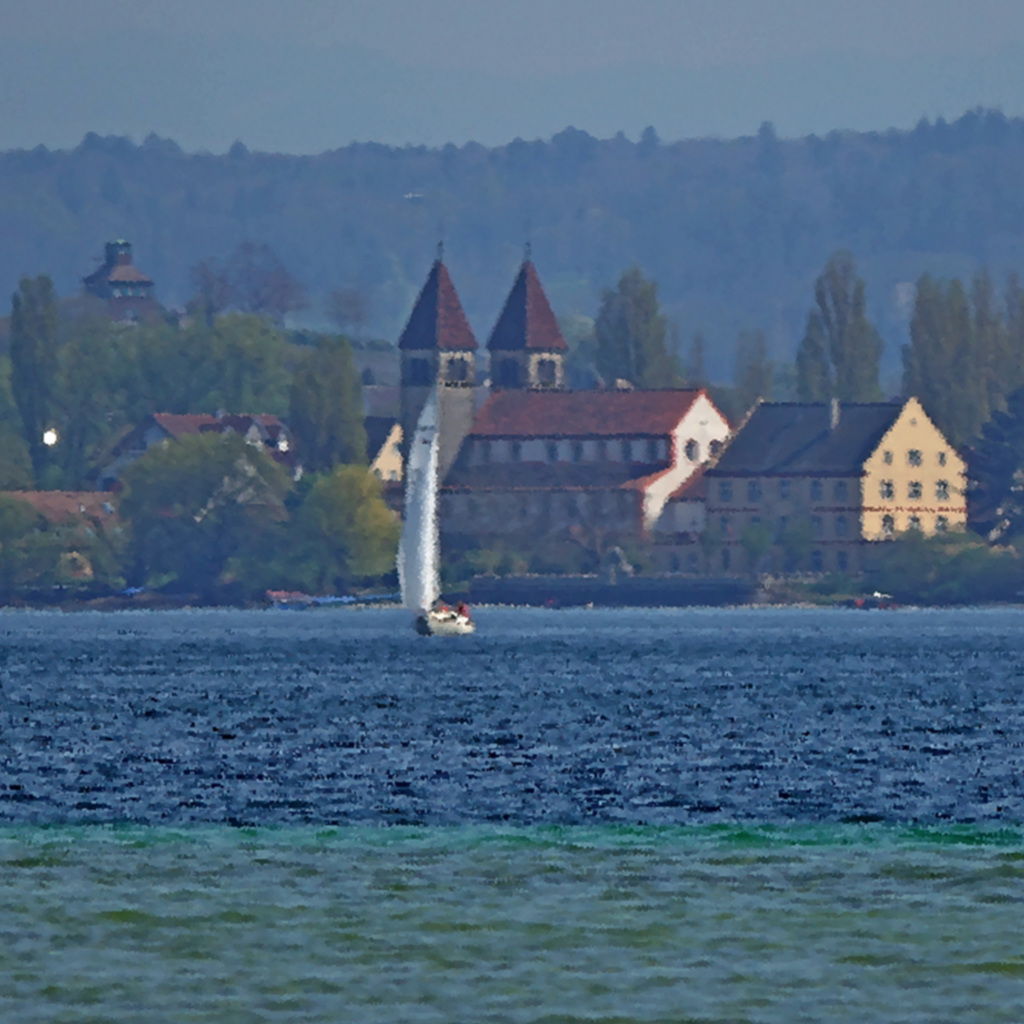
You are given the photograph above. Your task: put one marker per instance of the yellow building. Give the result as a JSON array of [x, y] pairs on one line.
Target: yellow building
[[818, 482]]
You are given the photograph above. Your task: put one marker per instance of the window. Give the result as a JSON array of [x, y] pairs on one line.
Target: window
[[602, 451], [941, 524], [914, 457], [458, 370], [724, 524], [418, 373], [915, 523], [817, 561], [652, 449], [692, 450], [627, 451], [507, 375], [784, 490], [725, 490], [942, 458], [816, 490], [887, 458], [577, 451], [841, 526], [886, 489], [914, 489], [817, 526], [715, 448], [840, 490], [888, 526], [942, 490], [515, 450], [753, 490], [842, 561], [547, 373], [551, 450]]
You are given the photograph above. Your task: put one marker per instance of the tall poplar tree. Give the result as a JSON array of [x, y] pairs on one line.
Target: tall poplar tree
[[841, 352], [631, 335], [34, 362], [752, 376], [326, 414]]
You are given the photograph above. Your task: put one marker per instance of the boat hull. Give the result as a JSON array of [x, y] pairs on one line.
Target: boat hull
[[440, 624]]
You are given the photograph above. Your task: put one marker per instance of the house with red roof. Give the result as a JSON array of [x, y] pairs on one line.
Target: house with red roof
[[263, 431], [524, 458], [126, 290]]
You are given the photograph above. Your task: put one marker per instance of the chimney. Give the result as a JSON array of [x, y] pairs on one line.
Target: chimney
[[833, 414]]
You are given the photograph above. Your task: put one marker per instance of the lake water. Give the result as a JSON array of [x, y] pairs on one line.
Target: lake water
[[678, 815]]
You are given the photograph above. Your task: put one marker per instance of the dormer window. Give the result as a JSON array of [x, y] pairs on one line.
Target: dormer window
[[577, 451], [515, 451], [627, 451], [551, 449], [652, 450]]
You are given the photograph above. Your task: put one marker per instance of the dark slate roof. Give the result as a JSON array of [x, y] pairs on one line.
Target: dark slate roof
[[582, 413], [794, 439], [503, 476], [437, 320], [377, 430], [527, 322]]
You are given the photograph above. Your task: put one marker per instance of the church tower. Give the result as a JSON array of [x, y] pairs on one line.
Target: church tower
[[526, 346], [437, 348]]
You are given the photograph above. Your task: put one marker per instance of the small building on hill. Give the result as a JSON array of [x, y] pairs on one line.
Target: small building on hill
[[129, 294], [818, 482]]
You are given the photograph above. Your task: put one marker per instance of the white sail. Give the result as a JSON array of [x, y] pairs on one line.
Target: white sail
[[419, 549]]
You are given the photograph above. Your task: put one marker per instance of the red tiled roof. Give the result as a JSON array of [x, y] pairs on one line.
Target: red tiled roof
[[582, 413], [180, 424], [527, 322], [126, 273], [62, 506], [437, 320]]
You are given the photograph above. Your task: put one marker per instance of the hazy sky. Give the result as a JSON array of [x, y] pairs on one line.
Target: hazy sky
[[308, 75]]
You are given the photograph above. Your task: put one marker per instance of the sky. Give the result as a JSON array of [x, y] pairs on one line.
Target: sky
[[305, 76]]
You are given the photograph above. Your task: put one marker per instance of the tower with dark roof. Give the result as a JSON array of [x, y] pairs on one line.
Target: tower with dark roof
[[128, 293], [526, 346], [437, 348]]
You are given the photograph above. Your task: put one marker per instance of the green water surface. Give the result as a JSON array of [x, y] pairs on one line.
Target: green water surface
[[605, 924]]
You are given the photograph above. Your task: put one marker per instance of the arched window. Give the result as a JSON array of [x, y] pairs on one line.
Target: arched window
[[692, 450], [547, 373]]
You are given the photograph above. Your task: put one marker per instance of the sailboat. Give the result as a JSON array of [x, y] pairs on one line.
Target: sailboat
[[419, 550]]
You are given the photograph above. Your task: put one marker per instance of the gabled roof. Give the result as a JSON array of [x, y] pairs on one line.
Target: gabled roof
[[582, 413], [527, 322], [65, 506], [437, 320], [180, 424], [378, 429], [794, 439]]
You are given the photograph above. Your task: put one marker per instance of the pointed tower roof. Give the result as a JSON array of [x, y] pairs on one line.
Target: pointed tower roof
[[437, 320], [527, 322]]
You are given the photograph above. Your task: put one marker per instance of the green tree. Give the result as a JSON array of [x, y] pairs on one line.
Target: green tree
[[997, 473], [752, 376], [942, 365], [343, 531], [631, 335], [841, 352], [15, 464], [34, 362], [197, 504], [696, 364], [326, 407]]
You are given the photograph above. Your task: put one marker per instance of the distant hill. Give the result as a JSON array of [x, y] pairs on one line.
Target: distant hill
[[734, 231]]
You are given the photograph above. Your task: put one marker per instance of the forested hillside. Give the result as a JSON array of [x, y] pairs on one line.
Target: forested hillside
[[734, 232]]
